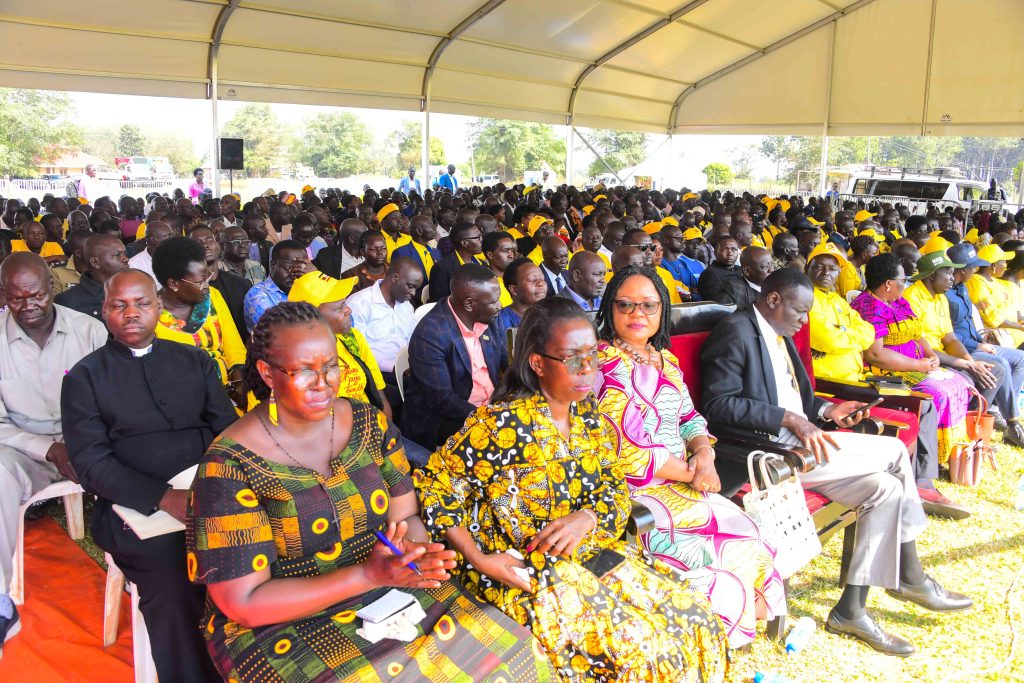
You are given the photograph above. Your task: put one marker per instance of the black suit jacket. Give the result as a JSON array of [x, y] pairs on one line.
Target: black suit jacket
[[550, 282], [328, 260], [86, 297], [234, 288], [711, 282], [737, 291], [738, 380], [441, 276], [130, 424]]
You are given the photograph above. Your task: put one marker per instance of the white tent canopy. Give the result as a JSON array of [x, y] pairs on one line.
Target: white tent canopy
[[838, 67]]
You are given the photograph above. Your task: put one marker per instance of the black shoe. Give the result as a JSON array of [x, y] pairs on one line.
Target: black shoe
[[9, 627], [866, 630], [932, 596], [1014, 435], [999, 424]]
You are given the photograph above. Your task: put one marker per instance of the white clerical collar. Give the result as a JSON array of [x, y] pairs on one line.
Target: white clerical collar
[[756, 288], [139, 353]]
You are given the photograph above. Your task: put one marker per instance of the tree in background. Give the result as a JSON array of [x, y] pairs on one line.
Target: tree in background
[[178, 149], [100, 142], [717, 173], [408, 140], [35, 126], [621, 149], [264, 134], [743, 160], [336, 145], [130, 141], [510, 148]]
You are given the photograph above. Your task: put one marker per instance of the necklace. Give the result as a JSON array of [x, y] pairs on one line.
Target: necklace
[[330, 444], [633, 353]]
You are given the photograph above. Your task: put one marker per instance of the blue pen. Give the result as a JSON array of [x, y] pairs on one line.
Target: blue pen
[[391, 546]]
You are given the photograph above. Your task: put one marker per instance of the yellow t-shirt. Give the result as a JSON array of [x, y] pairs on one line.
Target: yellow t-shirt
[[933, 312], [850, 279], [839, 337], [393, 244], [671, 284], [218, 335], [48, 249]]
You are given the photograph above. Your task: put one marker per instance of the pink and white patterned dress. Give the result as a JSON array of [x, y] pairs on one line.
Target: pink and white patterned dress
[[709, 540]]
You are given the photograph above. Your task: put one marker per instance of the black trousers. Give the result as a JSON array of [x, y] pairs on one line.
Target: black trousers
[[171, 604]]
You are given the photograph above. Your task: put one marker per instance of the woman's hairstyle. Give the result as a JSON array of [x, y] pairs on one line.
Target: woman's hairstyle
[[605, 314], [285, 314], [173, 257], [860, 244], [196, 171], [534, 332], [511, 273], [880, 269]]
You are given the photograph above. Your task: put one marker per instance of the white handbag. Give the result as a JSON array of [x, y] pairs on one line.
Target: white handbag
[[780, 510]]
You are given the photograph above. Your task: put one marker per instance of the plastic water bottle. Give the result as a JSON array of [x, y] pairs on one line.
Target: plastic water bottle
[[770, 677], [800, 635], [1019, 503]]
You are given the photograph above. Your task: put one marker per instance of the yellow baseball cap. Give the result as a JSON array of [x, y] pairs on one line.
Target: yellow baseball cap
[[690, 195], [536, 222], [871, 232], [290, 199], [588, 209], [670, 220], [694, 234], [386, 211], [936, 243], [599, 198], [529, 189], [827, 249], [972, 236], [814, 221], [307, 188], [318, 288], [863, 215], [992, 253], [652, 227]]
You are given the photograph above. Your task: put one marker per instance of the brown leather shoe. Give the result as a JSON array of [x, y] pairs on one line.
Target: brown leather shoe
[[866, 630], [934, 503]]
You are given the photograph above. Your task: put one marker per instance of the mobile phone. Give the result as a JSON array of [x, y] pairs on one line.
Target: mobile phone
[[872, 404]]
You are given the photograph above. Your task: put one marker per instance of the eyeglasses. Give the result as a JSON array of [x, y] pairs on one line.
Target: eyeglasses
[[644, 247], [238, 243], [901, 280], [574, 364], [200, 285], [306, 378], [646, 307]]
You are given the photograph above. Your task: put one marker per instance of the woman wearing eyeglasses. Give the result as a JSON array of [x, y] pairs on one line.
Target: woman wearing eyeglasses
[[282, 525], [531, 496], [668, 461], [194, 314]]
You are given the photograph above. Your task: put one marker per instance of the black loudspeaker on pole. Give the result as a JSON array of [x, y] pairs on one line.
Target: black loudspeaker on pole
[[232, 154]]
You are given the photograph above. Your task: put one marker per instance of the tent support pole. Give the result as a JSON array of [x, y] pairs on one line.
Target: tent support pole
[[569, 141], [823, 180], [598, 155], [425, 182]]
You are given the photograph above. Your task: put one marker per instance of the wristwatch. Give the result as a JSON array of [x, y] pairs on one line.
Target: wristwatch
[[822, 410]]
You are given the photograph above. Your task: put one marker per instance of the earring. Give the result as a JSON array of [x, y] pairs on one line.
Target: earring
[[272, 409]]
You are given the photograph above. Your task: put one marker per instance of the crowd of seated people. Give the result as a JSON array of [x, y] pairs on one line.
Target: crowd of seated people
[[460, 393]]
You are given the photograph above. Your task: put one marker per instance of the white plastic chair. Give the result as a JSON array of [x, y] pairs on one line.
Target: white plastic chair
[[401, 365], [422, 311], [142, 655], [72, 495]]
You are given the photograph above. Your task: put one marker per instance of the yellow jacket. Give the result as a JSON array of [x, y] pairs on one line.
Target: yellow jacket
[[850, 279], [995, 304], [839, 337]]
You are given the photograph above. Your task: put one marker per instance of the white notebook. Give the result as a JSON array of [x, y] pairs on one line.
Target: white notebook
[[158, 523]]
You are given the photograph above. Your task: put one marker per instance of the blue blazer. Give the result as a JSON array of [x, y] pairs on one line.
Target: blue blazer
[[409, 251], [439, 383]]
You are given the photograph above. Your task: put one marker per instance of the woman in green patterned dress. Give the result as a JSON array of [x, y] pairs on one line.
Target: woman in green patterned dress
[[535, 475], [282, 517]]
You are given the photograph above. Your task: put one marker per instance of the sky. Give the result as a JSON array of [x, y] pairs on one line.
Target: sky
[[192, 118]]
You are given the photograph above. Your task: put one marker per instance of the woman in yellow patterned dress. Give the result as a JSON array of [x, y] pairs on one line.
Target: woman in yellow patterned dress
[[535, 475], [281, 529]]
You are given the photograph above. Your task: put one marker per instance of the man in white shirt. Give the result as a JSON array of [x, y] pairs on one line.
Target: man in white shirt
[[156, 232], [90, 187], [383, 314], [410, 182]]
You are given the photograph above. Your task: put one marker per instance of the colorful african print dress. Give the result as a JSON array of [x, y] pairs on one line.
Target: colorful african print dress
[[248, 513], [210, 328], [899, 329], [709, 540], [605, 614]]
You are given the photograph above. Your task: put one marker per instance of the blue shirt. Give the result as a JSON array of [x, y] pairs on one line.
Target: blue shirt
[[687, 271], [405, 185], [837, 239], [584, 304], [508, 318], [449, 181], [259, 299], [960, 309]]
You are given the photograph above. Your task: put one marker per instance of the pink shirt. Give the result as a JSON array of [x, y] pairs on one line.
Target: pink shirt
[[482, 385], [194, 191]]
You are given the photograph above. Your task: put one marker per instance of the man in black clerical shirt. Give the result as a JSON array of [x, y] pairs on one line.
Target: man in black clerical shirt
[[137, 411]]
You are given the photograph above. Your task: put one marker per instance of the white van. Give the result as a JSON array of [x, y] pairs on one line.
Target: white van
[[936, 185]]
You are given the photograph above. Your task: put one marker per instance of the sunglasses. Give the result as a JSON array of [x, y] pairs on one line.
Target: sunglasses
[[646, 307], [574, 364], [238, 243], [306, 378]]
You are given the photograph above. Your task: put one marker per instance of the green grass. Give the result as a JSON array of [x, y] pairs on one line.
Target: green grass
[[979, 556]]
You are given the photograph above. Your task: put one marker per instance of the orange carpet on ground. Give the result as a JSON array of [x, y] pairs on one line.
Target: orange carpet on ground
[[62, 619]]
